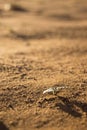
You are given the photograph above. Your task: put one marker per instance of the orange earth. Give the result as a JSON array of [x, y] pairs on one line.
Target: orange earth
[[43, 43]]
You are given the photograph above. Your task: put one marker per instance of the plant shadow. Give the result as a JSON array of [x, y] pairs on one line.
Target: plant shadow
[[70, 106]]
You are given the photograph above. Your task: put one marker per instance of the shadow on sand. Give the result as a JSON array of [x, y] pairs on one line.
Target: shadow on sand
[[70, 106], [60, 32], [3, 126]]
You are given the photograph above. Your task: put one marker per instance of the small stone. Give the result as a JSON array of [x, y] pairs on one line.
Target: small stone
[[7, 7]]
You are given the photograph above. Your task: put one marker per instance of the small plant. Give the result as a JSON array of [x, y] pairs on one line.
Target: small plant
[[54, 90]]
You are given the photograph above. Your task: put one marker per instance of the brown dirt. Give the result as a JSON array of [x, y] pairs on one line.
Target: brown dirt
[[43, 44]]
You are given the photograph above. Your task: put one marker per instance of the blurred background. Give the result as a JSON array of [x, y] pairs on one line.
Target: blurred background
[[34, 19]]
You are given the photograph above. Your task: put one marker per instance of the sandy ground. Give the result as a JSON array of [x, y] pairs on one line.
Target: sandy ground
[[43, 44]]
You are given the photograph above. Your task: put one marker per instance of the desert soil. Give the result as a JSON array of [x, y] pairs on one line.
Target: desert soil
[[43, 44]]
